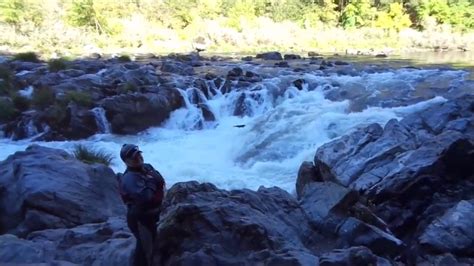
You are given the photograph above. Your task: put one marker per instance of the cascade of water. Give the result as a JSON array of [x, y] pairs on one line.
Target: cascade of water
[[101, 120]]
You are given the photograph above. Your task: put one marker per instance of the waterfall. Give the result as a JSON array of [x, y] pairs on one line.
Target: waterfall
[[101, 120]]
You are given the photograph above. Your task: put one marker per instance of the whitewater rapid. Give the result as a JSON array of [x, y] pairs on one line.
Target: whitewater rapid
[[284, 127]]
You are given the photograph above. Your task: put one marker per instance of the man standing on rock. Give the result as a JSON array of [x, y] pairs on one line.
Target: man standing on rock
[[142, 189]]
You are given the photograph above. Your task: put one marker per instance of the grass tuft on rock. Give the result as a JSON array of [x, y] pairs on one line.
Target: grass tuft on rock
[[55, 65], [27, 57], [91, 156]]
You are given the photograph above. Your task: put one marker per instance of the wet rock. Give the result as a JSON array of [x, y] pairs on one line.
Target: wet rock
[[252, 77], [340, 63], [88, 66], [417, 171], [270, 56], [177, 67], [48, 188], [247, 58], [19, 66], [133, 75], [320, 200], [291, 57], [241, 108], [307, 174], [299, 83], [313, 54], [210, 76], [235, 73], [17, 250], [453, 232], [354, 232], [206, 112], [191, 57], [381, 55], [265, 226], [30, 124], [79, 123], [325, 63], [107, 243], [195, 96], [132, 113], [226, 86], [282, 64], [444, 260], [201, 85], [352, 256], [82, 83]]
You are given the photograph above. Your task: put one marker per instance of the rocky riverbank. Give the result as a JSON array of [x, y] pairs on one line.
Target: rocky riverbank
[[402, 194], [76, 99]]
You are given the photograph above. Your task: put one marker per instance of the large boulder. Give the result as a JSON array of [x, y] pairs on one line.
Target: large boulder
[[307, 174], [335, 211], [132, 74], [48, 188], [382, 161], [352, 256], [203, 225], [177, 67], [132, 113], [453, 232], [270, 56], [416, 172], [55, 123], [107, 243]]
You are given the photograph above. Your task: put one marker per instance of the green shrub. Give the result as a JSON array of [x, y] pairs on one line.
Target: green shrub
[[56, 65], [91, 156], [6, 74], [127, 87], [124, 58], [21, 103], [79, 97], [27, 57], [17, 12], [43, 97], [56, 114], [7, 110], [4, 88]]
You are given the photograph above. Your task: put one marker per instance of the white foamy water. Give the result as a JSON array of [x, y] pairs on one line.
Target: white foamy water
[[285, 128]]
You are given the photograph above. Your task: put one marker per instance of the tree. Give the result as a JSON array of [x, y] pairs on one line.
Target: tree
[[16, 12], [395, 18], [358, 13]]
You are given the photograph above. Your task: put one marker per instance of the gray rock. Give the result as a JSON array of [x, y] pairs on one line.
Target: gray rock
[[291, 57], [206, 112], [48, 188], [413, 170], [353, 256], [382, 161], [453, 232], [132, 113], [354, 232], [108, 243], [307, 174], [88, 66], [270, 56], [17, 250], [204, 224], [321, 199], [282, 64], [133, 75], [177, 67]]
